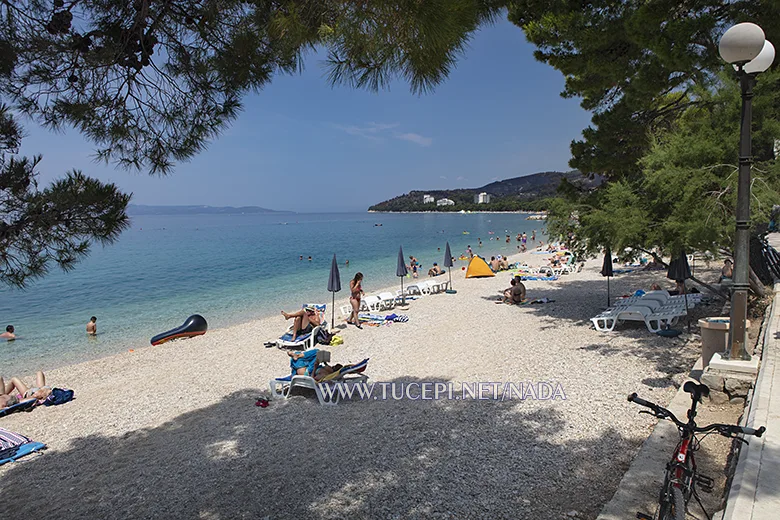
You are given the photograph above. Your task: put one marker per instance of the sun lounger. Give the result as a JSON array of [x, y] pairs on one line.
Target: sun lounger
[[347, 375], [387, 300], [371, 303], [309, 339], [654, 320]]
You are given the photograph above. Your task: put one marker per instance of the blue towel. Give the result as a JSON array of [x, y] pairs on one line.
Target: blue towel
[[18, 407], [308, 361], [288, 337], [11, 454]]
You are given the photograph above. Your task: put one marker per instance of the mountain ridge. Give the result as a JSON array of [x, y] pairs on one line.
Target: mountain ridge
[[527, 192]]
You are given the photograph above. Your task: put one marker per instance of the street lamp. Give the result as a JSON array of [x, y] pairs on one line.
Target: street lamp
[[744, 46]]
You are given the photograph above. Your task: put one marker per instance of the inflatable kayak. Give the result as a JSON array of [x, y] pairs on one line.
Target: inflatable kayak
[[194, 326]]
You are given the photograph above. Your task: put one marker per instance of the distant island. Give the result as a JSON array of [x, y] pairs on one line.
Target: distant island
[[140, 209], [526, 193]]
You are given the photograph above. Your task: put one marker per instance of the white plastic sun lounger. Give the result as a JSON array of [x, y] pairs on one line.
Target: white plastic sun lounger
[[352, 375], [387, 300], [654, 320]]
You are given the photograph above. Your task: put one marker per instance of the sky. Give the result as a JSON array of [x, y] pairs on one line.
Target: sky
[[302, 145]]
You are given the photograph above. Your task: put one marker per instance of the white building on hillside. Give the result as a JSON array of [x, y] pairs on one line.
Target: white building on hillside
[[482, 198], [445, 202], [428, 199]]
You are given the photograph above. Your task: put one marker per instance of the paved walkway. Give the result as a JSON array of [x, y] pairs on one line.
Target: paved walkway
[[755, 491]]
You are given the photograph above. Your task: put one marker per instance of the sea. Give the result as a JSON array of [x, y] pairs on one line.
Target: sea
[[228, 268]]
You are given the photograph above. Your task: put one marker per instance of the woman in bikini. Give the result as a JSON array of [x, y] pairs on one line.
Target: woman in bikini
[[16, 391], [305, 320], [356, 290]]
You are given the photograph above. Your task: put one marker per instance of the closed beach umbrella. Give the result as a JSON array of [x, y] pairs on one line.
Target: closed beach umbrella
[[606, 269], [334, 286], [448, 262], [401, 271], [679, 271]]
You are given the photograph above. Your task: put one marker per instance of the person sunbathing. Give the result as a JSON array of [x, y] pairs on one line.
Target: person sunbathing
[[305, 320], [313, 363], [16, 391]]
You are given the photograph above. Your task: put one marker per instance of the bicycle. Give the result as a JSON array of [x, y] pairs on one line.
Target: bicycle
[[681, 476]]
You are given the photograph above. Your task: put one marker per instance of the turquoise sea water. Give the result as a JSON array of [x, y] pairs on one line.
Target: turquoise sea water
[[229, 268]]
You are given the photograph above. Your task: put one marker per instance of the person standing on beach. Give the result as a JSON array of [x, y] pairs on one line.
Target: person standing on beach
[[470, 252], [356, 291], [9, 333], [92, 326]]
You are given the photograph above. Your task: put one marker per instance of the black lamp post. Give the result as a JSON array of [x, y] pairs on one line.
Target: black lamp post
[[744, 46]]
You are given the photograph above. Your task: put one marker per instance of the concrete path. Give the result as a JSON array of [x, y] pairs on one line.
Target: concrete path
[[755, 491]]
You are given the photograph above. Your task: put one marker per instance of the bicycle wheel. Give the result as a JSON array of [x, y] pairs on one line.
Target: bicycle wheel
[[678, 504], [672, 504]]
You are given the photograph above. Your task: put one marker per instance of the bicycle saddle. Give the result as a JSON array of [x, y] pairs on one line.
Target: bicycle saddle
[[696, 390]]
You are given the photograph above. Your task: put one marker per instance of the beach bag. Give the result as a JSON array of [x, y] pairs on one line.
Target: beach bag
[[324, 337], [58, 396]]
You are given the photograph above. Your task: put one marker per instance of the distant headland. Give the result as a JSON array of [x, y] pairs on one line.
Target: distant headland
[[529, 193], [140, 209]]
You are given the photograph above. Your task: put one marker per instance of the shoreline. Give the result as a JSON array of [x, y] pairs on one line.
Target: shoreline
[[263, 321], [471, 212], [173, 431]]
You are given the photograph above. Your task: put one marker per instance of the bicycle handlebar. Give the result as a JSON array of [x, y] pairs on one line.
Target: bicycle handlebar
[[723, 429]]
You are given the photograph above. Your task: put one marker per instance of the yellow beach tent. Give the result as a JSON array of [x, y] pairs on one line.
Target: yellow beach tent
[[478, 268]]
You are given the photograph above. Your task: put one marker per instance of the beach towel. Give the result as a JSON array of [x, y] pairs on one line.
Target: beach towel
[[538, 278], [538, 301], [356, 368], [301, 337], [19, 407], [14, 445], [308, 361]]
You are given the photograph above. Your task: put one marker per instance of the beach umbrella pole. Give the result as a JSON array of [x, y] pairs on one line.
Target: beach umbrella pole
[[333, 312], [687, 315]]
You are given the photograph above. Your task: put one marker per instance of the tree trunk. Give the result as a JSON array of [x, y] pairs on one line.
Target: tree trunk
[[756, 285], [713, 290]]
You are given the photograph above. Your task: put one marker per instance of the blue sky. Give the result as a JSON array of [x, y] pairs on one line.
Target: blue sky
[[301, 145]]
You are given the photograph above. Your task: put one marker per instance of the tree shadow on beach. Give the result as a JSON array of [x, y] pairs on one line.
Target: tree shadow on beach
[[577, 301], [360, 459]]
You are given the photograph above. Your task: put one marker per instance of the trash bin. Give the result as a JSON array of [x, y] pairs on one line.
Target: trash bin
[[715, 337]]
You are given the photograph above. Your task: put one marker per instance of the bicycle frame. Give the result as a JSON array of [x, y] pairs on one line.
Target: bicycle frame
[[681, 470], [681, 474]]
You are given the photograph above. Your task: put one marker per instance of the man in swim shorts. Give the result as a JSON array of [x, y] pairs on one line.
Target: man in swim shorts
[[92, 326]]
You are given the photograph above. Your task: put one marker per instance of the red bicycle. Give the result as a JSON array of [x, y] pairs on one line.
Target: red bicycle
[[681, 476]]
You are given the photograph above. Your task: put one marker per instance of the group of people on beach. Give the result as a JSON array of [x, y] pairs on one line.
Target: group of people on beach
[[15, 390], [307, 318]]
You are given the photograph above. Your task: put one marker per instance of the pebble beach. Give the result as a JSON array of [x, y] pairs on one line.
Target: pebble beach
[[172, 431]]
